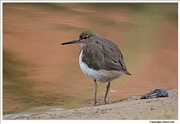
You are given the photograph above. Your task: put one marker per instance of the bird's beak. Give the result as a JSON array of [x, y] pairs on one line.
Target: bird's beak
[[71, 42]]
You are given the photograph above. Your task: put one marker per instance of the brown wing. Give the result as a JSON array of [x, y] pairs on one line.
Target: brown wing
[[113, 59], [103, 55]]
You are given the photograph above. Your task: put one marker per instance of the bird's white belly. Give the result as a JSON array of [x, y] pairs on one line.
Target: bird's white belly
[[100, 75]]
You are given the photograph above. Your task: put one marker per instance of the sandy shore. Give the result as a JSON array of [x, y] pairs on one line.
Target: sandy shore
[[129, 109]]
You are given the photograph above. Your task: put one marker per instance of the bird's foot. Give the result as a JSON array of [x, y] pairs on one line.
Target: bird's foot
[[102, 99], [105, 101], [95, 103]]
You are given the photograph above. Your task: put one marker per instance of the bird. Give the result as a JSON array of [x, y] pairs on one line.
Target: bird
[[100, 59]]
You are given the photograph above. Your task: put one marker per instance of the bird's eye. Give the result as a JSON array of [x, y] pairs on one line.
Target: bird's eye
[[85, 37]]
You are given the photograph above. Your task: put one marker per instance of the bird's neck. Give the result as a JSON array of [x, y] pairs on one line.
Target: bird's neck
[[82, 44]]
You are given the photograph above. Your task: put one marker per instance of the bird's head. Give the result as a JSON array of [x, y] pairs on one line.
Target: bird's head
[[84, 38]]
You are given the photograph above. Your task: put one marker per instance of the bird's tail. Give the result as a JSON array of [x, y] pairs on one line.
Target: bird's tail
[[126, 72]]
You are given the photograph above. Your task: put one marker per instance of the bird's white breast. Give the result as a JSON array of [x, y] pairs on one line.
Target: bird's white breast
[[100, 75]]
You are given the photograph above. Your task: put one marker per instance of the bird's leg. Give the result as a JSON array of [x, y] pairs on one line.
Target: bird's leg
[[107, 90], [95, 91]]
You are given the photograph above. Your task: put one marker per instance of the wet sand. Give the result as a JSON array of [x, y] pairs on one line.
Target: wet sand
[[132, 108]]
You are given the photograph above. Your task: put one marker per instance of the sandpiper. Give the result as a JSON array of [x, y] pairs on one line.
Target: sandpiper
[[99, 59]]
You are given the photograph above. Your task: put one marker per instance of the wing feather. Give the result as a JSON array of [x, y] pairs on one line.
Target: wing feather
[[103, 56]]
